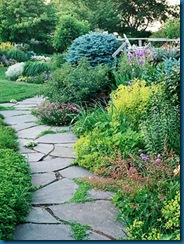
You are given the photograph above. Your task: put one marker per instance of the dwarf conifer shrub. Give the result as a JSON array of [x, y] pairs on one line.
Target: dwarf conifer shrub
[[96, 47]]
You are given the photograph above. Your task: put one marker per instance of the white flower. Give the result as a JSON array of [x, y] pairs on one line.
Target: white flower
[[14, 71]]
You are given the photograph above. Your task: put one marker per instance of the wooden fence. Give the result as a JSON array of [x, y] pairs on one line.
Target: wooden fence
[[149, 41]]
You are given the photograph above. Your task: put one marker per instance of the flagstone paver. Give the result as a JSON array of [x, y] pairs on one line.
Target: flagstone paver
[[53, 174]]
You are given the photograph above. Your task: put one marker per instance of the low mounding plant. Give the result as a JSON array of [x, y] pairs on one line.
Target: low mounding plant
[[8, 138], [79, 84], [15, 191], [96, 47], [18, 55], [56, 113], [14, 71], [32, 68], [130, 102]]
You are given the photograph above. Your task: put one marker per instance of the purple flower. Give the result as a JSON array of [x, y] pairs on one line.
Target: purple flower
[[158, 160], [144, 157]]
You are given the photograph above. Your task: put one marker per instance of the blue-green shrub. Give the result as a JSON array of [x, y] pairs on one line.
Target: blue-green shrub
[[96, 47]]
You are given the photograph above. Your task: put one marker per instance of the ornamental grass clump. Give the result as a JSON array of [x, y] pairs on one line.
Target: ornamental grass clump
[[56, 113]]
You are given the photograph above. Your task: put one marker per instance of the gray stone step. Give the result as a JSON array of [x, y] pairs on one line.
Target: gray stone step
[[43, 232], [56, 193], [99, 215]]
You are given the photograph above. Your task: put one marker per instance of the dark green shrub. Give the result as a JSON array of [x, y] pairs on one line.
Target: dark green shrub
[[68, 29], [96, 47], [15, 196], [78, 84], [57, 60], [18, 55], [32, 68], [7, 138]]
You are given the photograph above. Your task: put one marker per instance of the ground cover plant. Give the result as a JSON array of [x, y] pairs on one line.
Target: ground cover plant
[[15, 183]]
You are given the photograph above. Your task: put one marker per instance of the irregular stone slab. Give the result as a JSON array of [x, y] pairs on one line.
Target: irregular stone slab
[[25, 150], [10, 113], [7, 104], [24, 106], [43, 179], [39, 232], [93, 236], [100, 195], [60, 128], [63, 151], [75, 172], [57, 192], [44, 148], [22, 118], [34, 156], [36, 99], [100, 215], [32, 132], [40, 215], [50, 165], [23, 126], [66, 137]]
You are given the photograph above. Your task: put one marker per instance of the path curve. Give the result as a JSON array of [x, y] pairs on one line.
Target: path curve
[[50, 162]]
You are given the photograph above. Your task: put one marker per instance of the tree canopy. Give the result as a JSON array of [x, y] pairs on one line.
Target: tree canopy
[[122, 16], [21, 20]]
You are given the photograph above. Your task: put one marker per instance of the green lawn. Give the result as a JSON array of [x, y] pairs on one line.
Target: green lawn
[[16, 90]]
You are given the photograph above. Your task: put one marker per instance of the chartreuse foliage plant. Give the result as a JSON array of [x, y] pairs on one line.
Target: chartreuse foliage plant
[[106, 140], [96, 47], [15, 194], [131, 101], [5, 47]]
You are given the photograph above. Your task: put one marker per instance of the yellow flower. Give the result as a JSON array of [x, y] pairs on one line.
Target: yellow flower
[[177, 171]]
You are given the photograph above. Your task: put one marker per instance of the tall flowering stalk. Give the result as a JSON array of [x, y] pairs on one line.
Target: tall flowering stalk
[[138, 58]]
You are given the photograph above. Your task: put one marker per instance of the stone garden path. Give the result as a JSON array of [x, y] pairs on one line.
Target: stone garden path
[[52, 172]]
